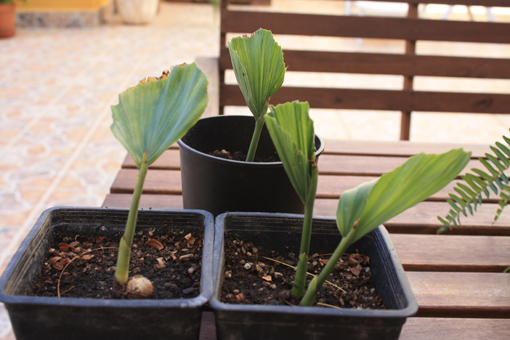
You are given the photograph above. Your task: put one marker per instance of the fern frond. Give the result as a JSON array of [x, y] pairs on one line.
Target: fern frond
[[477, 183]]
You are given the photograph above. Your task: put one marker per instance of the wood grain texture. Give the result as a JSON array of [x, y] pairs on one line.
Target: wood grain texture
[[392, 100], [463, 295], [381, 63], [364, 27]]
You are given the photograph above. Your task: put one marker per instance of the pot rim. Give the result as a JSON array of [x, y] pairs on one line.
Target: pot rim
[[201, 154], [200, 300], [380, 232]]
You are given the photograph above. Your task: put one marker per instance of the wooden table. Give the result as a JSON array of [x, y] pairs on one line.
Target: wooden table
[[457, 276]]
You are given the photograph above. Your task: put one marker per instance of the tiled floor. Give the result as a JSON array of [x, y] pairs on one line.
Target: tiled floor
[[56, 89]]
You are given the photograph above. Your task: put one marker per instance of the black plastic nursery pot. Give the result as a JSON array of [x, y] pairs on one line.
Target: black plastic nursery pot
[[218, 185], [41, 318], [282, 232]]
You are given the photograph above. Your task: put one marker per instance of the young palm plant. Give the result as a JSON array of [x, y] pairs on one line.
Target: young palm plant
[[479, 183], [293, 135], [259, 68], [147, 120], [364, 208]]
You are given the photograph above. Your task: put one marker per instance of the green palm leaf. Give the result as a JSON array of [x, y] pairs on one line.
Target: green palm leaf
[[293, 135], [259, 68], [158, 111], [414, 181]]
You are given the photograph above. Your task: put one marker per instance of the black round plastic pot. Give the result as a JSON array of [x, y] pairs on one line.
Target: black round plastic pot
[[218, 185], [282, 232], [45, 318]]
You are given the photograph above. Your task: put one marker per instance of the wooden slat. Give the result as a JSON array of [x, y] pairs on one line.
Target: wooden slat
[[446, 328], [452, 253], [392, 100], [168, 182], [364, 27], [397, 64], [170, 159], [146, 201], [421, 219], [329, 164], [390, 148], [463, 295]]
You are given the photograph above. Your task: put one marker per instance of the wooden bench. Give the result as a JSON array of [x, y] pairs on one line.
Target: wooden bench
[[457, 277], [420, 55]]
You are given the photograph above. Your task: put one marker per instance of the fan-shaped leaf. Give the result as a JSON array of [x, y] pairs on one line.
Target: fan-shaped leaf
[[293, 135], [259, 68], [158, 111]]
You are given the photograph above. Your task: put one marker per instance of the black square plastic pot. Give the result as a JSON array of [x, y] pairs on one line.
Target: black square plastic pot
[[283, 232], [42, 318], [218, 185]]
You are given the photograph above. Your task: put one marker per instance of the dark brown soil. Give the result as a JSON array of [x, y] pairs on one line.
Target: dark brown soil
[[240, 156], [84, 267], [254, 275]]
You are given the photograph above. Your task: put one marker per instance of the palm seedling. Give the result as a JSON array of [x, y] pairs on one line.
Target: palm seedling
[[259, 69], [147, 120], [362, 209]]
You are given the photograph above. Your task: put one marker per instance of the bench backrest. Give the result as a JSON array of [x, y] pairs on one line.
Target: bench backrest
[[407, 64]]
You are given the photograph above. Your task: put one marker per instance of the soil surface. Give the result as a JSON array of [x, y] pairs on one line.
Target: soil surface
[[84, 267], [241, 156], [254, 275]]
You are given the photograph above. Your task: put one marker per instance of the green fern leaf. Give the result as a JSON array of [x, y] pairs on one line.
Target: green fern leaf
[[489, 167], [501, 158], [477, 183], [503, 148], [467, 190]]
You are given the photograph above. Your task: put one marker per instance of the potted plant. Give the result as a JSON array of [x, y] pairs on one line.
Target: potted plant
[[137, 11], [256, 180], [286, 298], [64, 283], [8, 18]]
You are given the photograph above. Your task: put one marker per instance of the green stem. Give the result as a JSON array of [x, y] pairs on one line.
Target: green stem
[[319, 280], [122, 269], [259, 124], [298, 288]]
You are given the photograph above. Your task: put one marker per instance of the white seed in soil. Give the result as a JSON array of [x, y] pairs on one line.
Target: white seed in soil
[[139, 287], [248, 266]]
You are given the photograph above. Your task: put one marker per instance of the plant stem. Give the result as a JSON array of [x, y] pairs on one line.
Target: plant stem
[[298, 288], [259, 124], [317, 281], [122, 269]]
